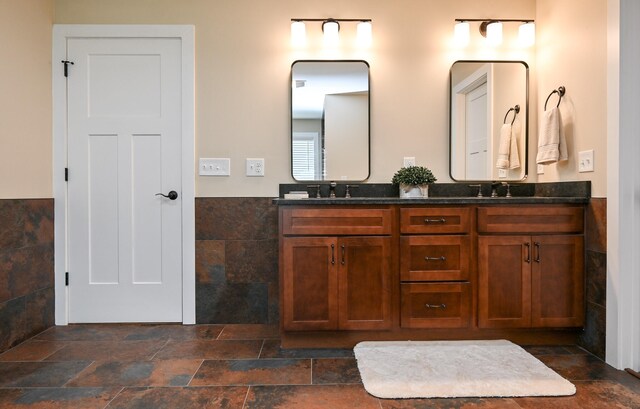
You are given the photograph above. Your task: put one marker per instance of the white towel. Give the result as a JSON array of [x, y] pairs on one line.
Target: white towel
[[504, 147], [514, 156], [552, 146]]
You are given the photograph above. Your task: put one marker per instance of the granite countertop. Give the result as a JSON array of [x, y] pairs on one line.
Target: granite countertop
[[444, 194], [432, 200]]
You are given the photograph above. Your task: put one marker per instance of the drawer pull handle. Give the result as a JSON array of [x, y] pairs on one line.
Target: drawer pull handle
[[441, 258], [440, 220], [537, 248], [333, 254], [443, 306]]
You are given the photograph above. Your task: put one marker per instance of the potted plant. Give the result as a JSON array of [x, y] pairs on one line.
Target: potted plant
[[413, 181]]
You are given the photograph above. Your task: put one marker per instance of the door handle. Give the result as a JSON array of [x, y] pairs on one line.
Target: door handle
[[173, 195], [528, 259], [537, 248]]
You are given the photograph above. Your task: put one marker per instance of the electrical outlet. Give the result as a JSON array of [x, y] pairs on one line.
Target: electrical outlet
[[540, 169], [255, 166], [585, 161], [409, 161], [214, 166], [502, 173]]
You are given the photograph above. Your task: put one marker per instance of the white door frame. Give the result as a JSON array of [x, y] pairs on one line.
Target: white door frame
[[60, 35]]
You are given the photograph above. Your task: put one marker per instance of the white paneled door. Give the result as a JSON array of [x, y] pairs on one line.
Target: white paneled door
[[124, 153]]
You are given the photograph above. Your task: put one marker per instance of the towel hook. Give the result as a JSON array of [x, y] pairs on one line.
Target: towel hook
[[516, 110], [560, 91]]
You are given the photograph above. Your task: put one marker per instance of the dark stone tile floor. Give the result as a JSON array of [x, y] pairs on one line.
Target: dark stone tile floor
[[243, 366]]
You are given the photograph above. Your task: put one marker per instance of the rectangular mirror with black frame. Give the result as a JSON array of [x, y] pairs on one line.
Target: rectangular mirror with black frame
[[489, 120], [330, 125]]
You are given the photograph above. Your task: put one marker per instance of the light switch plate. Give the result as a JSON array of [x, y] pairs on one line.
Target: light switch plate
[[585, 161], [214, 167], [409, 161], [255, 166]]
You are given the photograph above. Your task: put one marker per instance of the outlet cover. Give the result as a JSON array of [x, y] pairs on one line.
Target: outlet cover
[[585, 161], [502, 173], [409, 161], [255, 166], [214, 166], [540, 169]]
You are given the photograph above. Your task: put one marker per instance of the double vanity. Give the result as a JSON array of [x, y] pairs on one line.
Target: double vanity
[[455, 265], [443, 267]]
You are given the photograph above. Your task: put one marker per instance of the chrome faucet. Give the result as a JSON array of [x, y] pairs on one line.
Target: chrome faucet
[[347, 193], [332, 189]]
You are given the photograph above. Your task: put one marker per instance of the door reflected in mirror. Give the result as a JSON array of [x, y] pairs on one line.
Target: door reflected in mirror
[[330, 120], [489, 114]]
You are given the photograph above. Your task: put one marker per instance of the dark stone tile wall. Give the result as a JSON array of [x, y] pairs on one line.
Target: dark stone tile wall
[[26, 269], [236, 261], [593, 337]]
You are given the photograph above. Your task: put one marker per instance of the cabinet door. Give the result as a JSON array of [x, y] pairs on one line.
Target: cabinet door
[[557, 281], [504, 281], [310, 283], [364, 279]]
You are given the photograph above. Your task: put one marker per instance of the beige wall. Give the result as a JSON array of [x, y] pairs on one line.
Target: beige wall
[[572, 51], [243, 60], [25, 99]]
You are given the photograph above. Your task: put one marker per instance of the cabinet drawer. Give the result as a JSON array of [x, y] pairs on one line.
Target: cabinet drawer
[[441, 305], [331, 221], [434, 258], [434, 220], [531, 219]]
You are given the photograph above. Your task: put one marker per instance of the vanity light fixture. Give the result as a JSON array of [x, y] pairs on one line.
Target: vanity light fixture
[[492, 30], [331, 30]]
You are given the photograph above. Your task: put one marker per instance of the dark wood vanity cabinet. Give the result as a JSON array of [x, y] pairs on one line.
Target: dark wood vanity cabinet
[[416, 271], [534, 279], [342, 281]]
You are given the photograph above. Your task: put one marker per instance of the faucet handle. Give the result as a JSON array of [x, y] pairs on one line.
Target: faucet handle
[[479, 186], [508, 188], [317, 187], [347, 194]]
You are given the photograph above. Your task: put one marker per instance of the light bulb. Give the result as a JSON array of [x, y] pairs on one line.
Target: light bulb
[[461, 33], [331, 36], [527, 34], [494, 33], [298, 34], [363, 34]]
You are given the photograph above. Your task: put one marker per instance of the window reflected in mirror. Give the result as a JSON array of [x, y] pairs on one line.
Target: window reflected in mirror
[[330, 120]]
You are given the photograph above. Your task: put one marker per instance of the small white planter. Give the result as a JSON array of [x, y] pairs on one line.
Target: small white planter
[[413, 191]]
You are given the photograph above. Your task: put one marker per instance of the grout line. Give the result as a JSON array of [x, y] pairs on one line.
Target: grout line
[[246, 396], [159, 349], [194, 374], [78, 374], [114, 397]]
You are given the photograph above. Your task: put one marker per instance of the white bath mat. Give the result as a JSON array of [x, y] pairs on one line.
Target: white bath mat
[[455, 369]]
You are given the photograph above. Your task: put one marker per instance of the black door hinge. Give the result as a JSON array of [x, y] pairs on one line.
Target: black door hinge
[[66, 174], [66, 278], [66, 66]]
